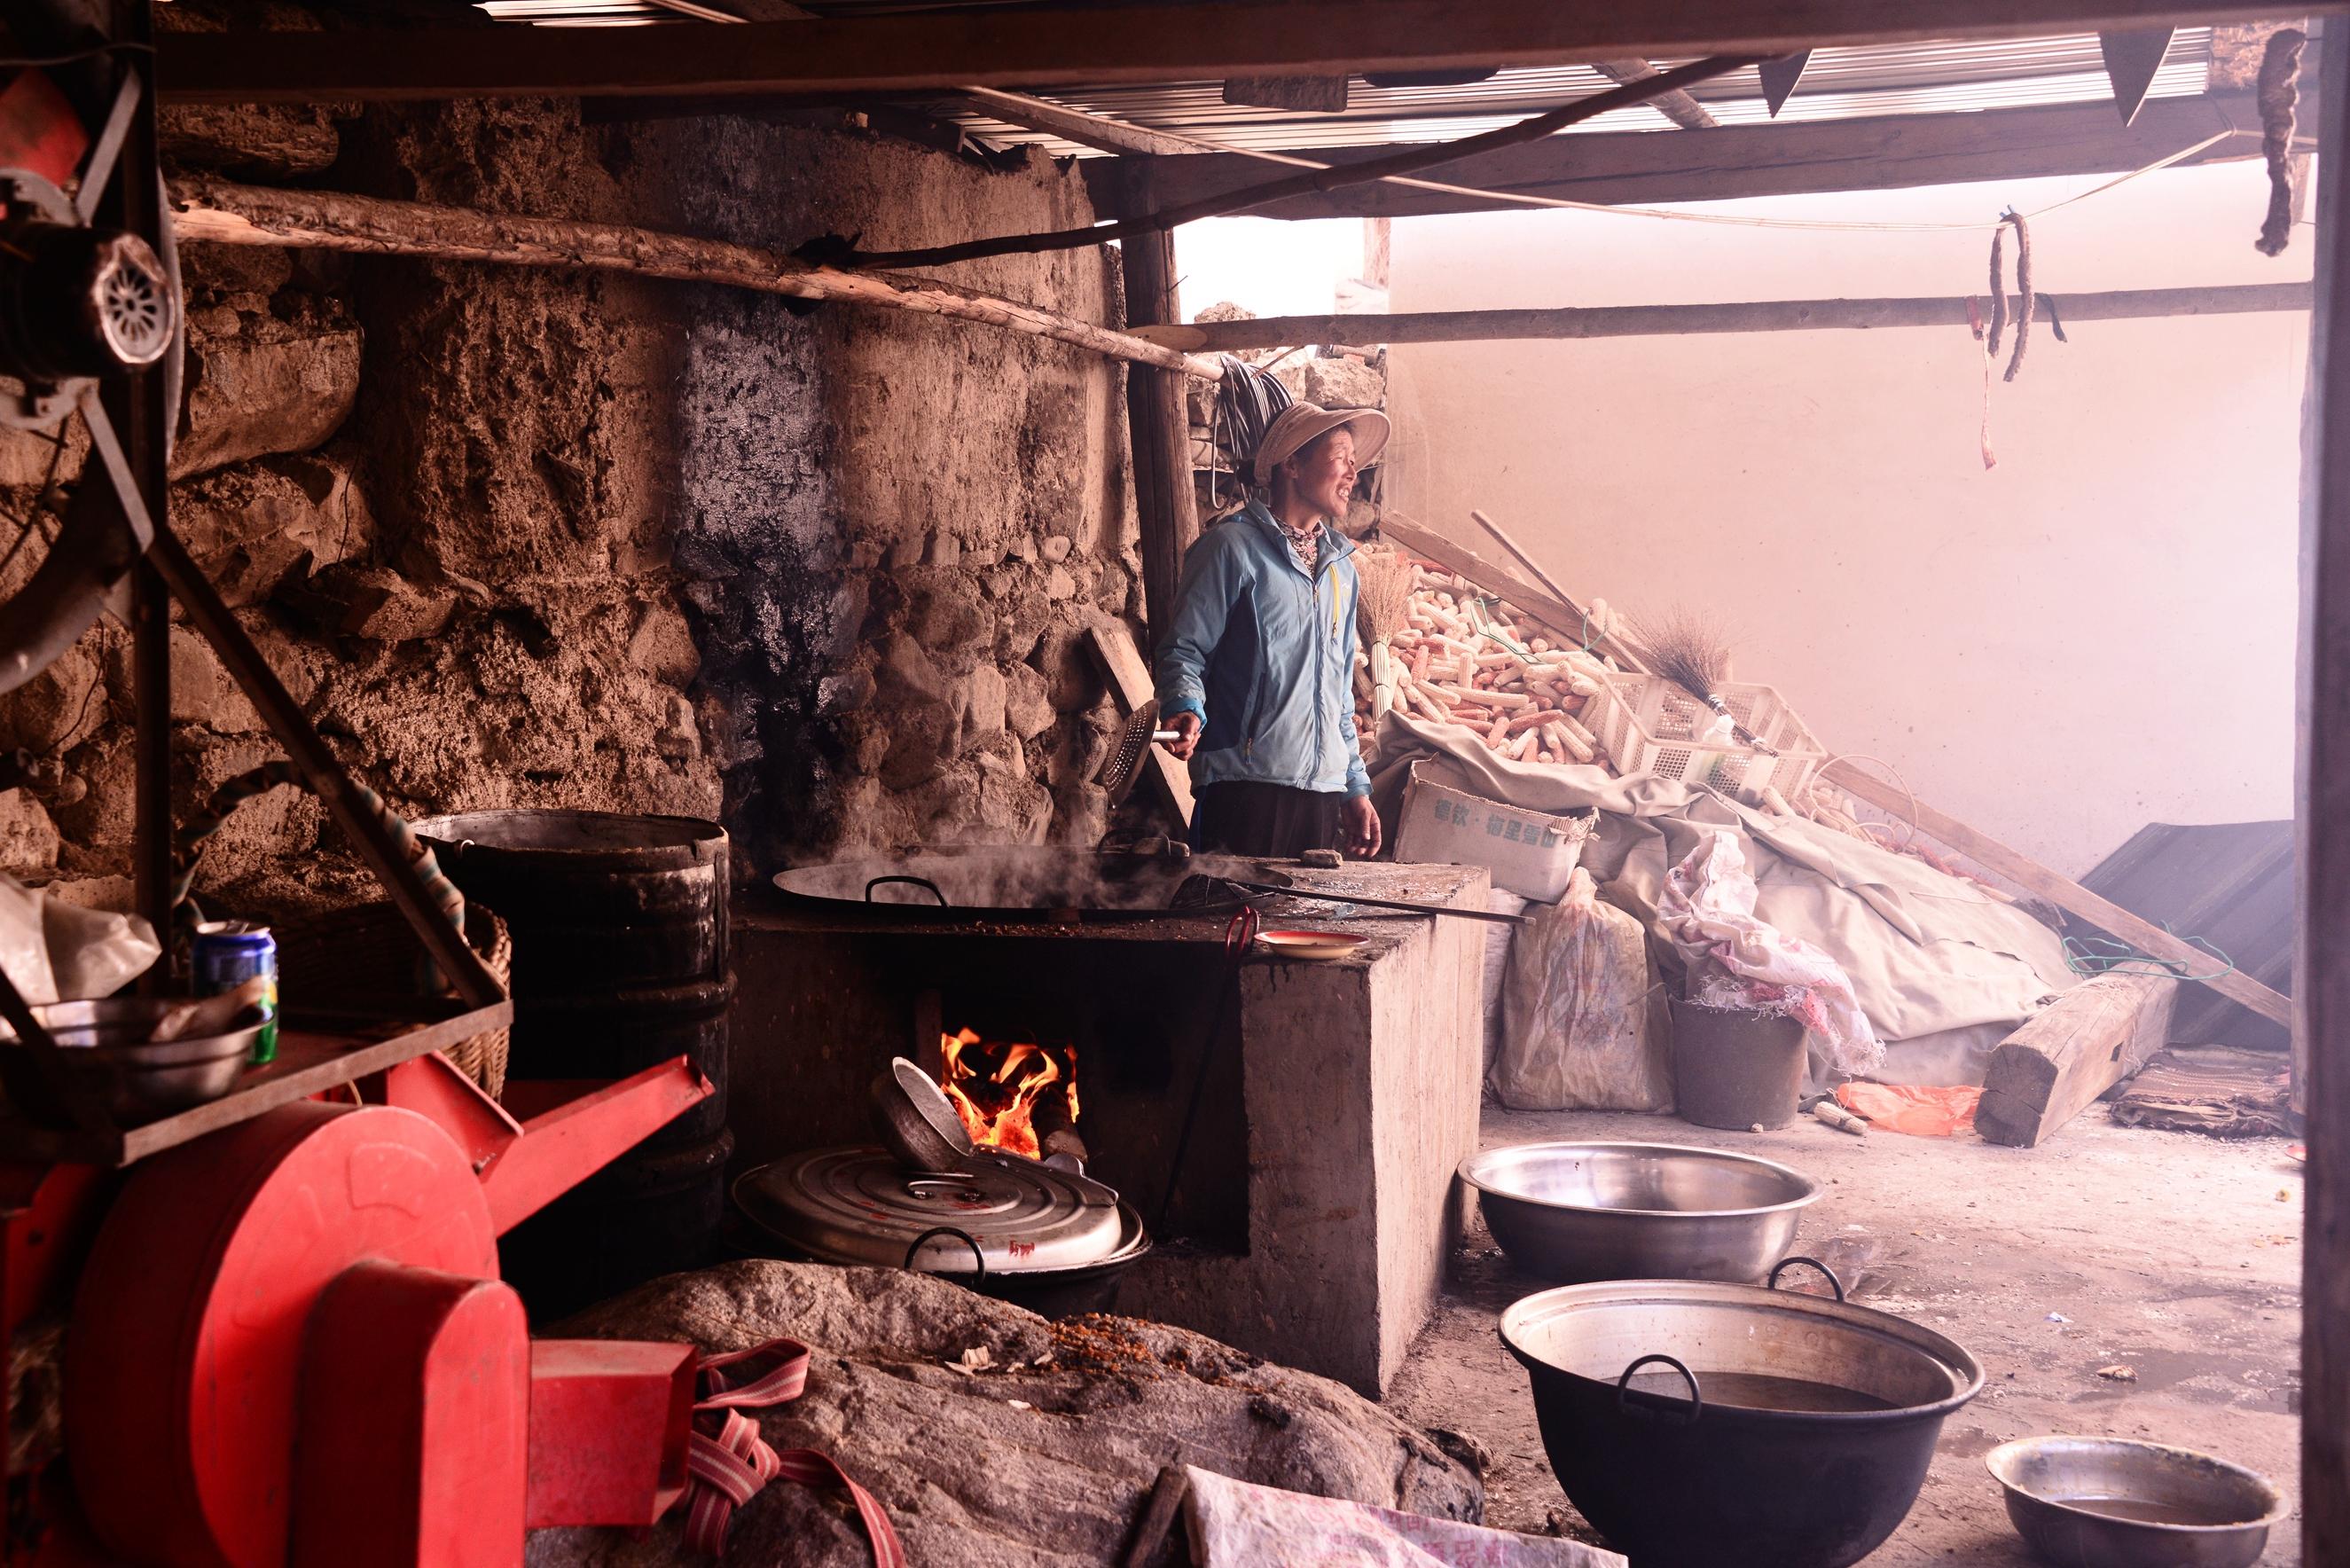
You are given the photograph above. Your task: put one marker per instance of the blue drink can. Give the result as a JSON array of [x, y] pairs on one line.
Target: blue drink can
[[226, 954]]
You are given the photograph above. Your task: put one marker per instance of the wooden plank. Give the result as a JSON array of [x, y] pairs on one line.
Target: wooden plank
[[1676, 105], [1130, 684], [1011, 46], [2323, 980], [1564, 617], [1094, 130], [2065, 1056], [1753, 316], [1161, 1513], [2062, 891], [1158, 423], [1882, 152], [308, 1063]]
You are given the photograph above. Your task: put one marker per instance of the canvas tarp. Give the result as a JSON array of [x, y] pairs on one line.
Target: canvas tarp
[[1943, 971]]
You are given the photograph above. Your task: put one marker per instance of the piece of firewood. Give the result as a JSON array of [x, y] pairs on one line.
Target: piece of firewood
[[2087, 1040]]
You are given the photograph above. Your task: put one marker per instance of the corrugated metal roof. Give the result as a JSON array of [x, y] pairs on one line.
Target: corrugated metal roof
[[2229, 884], [1946, 77]]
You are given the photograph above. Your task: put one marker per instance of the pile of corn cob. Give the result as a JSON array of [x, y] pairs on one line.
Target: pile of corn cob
[[1465, 659]]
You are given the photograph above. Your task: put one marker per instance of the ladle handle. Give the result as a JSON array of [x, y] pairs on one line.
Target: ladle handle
[[1623, 1385], [922, 882], [1834, 1283], [977, 1256]]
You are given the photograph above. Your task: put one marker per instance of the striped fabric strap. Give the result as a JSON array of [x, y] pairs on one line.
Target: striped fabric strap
[[729, 1468]]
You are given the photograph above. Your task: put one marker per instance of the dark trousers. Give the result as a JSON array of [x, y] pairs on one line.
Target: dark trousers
[[1274, 821]]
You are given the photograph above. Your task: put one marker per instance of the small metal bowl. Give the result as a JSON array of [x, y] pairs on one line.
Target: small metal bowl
[[106, 1047], [1581, 1212], [916, 1120], [2111, 1502]]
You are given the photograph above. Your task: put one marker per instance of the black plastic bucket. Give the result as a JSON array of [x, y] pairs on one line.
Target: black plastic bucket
[[1734, 1068]]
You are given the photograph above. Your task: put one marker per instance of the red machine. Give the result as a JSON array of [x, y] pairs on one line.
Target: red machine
[[289, 1343]]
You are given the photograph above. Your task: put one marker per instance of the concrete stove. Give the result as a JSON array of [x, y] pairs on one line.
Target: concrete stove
[[1315, 1205]]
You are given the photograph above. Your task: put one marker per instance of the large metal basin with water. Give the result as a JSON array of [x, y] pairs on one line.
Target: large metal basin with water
[[1584, 1211]]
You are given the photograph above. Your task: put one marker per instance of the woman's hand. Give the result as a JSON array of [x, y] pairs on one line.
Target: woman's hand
[[1187, 728], [1362, 825]]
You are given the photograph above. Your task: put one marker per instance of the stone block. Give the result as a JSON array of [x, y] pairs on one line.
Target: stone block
[[946, 614], [379, 605], [28, 839], [271, 386], [906, 672], [254, 525], [983, 697], [662, 645], [1027, 710], [1056, 547], [1345, 382], [43, 713]]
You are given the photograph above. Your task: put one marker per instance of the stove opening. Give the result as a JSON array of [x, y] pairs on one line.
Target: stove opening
[[1016, 1095]]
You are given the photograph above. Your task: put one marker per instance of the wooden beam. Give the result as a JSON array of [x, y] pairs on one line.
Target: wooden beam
[[2065, 1055], [1011, 47], [1676, 105], [1128, 675], [1563, 617], [1095, 130], [220, 212], [1662, 320], [2062, 891], [2322, 961], [1884, 152], [1158, 431]]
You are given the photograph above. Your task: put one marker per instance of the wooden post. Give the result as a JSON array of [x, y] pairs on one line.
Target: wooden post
[[1157, 427], [2091, 1038], [2324, 816]]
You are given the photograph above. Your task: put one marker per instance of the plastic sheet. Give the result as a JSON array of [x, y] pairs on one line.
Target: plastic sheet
[[1912, 1108], [1237, 1524], [56, 951], [1707, 910], [1498, 938], [1584, 1022]]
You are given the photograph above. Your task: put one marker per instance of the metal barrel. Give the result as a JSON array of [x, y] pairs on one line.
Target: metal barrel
[[619, 961]]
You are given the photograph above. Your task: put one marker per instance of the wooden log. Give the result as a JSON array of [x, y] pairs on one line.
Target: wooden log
[[1019, 47], [1129, 682], [1683, 320], [2089, 1040], [2062, 891], [223, 212], [1158, 431]]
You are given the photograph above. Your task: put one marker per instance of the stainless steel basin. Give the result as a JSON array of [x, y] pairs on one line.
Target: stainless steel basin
[[2111, 1502], [1584, 1211]]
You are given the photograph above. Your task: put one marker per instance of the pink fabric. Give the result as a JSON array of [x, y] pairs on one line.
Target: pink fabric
[[728, 1467]]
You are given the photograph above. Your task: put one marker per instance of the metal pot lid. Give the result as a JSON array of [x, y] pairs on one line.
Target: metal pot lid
[[860, 1206]]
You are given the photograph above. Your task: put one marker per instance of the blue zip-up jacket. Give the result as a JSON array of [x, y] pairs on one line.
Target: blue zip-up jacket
[[1265, 655]]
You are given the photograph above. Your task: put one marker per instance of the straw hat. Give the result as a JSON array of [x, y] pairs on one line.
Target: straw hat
[[1300, 423]]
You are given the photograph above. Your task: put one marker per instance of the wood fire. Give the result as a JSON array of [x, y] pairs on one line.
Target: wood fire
[[995, 1087]]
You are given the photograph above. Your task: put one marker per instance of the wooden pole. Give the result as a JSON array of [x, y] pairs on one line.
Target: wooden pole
[[1158, 428], [2324, 817], [227, 213], [1660, 320]]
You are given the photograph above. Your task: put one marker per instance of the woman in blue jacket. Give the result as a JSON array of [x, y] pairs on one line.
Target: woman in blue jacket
[[1256, 670]]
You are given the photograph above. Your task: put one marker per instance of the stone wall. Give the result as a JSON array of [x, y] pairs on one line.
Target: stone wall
[[521, 537]]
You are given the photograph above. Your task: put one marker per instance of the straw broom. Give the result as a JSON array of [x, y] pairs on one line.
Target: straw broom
[[1382, 607]]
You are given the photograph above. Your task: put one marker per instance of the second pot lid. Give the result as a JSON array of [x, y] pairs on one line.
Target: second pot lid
[[860, 1206]]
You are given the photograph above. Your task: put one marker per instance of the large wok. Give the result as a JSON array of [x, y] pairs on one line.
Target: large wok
[[1698, 1423], [1015, 884]]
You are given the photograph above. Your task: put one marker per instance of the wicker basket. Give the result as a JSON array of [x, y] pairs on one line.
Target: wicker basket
[[370, 951], [1650, 725]]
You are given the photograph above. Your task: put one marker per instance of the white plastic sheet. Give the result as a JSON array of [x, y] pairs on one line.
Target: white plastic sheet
[[1583, 1020], [1236, 1524], [56, 951], [1707, 910]]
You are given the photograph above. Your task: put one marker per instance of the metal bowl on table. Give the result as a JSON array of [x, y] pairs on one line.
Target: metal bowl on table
[[1698, 1423], [2111, 1502], [106, 1047], [1585, 1211]]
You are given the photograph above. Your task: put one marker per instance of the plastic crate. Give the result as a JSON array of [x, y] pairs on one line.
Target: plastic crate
[[1648, 725]]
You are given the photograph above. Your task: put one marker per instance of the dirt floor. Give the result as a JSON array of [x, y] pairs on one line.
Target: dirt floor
[[2173, 1254]]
